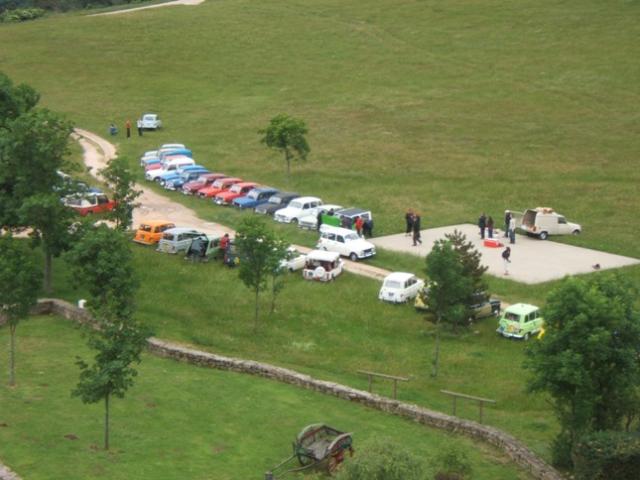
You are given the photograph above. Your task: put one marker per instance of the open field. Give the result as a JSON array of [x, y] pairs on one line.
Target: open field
[[223, 433]]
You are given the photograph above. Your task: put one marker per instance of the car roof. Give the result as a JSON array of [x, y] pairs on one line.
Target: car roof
[[267, 189], [231, 179], [246, 184], [323, 255], [338, 230], [521, 308], [178, 230], [399, 276], [286, 194], [156, 223], [351, 211], [214, 175], [309, 199]]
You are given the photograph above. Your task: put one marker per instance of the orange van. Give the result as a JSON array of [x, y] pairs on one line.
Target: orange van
[[150, 233]]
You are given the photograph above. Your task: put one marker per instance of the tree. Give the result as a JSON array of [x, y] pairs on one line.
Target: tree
[[18, 291], [287, 134], [588, 359], [258, 249], [448, 289], [471, 262], [280, 250], [122, 180], [101, 261], [15, 100]]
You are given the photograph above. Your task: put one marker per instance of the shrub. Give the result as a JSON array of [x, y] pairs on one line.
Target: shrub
[[382, 460], [21, 15], [607, 454], [452, 464]]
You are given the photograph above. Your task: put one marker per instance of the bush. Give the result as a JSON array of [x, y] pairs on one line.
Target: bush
[[382, 460], [453, 464], [21, 15], [604, 455]]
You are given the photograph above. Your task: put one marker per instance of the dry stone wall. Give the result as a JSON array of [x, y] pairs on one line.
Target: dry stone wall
[[513, 448]]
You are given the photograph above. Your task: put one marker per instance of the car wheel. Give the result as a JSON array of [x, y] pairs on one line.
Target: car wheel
[[576, 232], [353, 257], [294, 221], [526, 337], [543, 235]]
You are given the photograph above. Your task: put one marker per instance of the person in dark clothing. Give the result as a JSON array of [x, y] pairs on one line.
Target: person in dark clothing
[[319, 220], [127, 125], [490, 226], [506, 258], [367, 228], [482, 224], [346, 222], [507, 222], [408, 218], [416, 230], [113, 130], [139, 125]]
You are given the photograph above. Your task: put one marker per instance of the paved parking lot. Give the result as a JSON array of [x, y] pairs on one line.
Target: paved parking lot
[[532, 260]]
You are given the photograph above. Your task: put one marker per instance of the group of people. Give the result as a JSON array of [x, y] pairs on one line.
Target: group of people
[[363, 227], [113, 130], [487, 226], [413, 221]]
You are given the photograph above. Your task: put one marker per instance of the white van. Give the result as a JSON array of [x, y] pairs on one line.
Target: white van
[[543, 222], [173, 165], [296, 209], [345, 242], [177, 239], [322, 266]]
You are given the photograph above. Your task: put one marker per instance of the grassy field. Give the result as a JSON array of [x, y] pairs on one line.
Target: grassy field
[[178, 421]]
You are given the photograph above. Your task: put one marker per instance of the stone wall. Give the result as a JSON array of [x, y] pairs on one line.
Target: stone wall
[[513, 448]]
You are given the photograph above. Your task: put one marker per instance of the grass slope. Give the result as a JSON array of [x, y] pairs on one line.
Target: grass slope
[[235, 427]]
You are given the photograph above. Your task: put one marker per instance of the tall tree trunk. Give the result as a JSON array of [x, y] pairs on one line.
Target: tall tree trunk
[[255, 322], [47, 271], [106, 422], [434, 372], [12, 355]]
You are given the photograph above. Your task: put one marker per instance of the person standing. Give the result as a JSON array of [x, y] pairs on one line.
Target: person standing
[[490, 227], [139, 124], [127, 125], [507, 222], [506, 259], [367, 228], [512, 230], [416, 229], [482, 224], [359, 223], [408, 218]]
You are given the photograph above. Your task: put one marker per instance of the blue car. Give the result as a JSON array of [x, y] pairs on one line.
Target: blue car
[[174, 174], [183, 152], [188, 176], [255, 197]]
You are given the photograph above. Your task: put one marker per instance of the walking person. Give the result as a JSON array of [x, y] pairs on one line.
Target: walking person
[[512, 230], [139, 124], [127, 125], [416, 229], [506, 259], [482, 224], [507, 222], [408, 218], [490, 227]]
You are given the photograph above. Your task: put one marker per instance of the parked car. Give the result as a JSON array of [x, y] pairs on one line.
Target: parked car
[[151, 121], [346, 217], [255, 197], [520, 320], [481, 306], [218, 186], [166, 153], [294, 260], [191, 188], [171, 166], [400, 287], [276, 202], [177, 239], [172, 146], [543, 222], [184, 178], [322, 266], [176, 174], [203, 248], [89, 203], [150, 232], [345, 242], [296, 209], [236, 191], [310, 221]]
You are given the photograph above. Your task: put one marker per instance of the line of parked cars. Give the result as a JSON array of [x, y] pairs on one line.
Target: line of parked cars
[[173, 167]]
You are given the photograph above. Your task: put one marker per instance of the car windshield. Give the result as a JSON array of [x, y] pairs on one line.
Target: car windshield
[[236, 189], [168, 236], [253, 195], [145, 228], [393, 284], [512, 317], [295, 204], [351, 236], [218, 183], [275, 200]]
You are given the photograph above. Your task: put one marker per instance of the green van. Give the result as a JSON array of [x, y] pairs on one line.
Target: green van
[[520, 320]]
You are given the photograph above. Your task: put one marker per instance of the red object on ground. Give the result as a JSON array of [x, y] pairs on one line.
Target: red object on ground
[[492, 243]]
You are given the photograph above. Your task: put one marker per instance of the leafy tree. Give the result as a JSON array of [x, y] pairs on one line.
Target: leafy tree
[[122, 180], [18, 289], [258, 249], [382, 459], [452, 464], [287, 134], [471, 262], [101, 261], [448, 289], [14, 100], [588, 360]]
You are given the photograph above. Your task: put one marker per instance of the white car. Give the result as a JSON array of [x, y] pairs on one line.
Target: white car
[[294, 260], [400, 287], [345, 242], [175, 164], [297, 209], [150, 121], [322, 266], [172, 146], [310, 221]]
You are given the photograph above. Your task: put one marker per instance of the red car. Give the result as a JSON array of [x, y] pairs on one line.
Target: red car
[[203, 181], [238, 190], [218, 186], [90, 203]]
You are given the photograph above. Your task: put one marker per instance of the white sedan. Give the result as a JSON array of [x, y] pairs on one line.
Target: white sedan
[[400, 287], [294, 260]]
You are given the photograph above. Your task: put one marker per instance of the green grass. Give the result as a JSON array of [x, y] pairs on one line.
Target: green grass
[[178, 421]]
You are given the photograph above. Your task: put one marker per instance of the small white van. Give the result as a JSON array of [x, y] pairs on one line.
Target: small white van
[[345, 242], [543, 222]]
